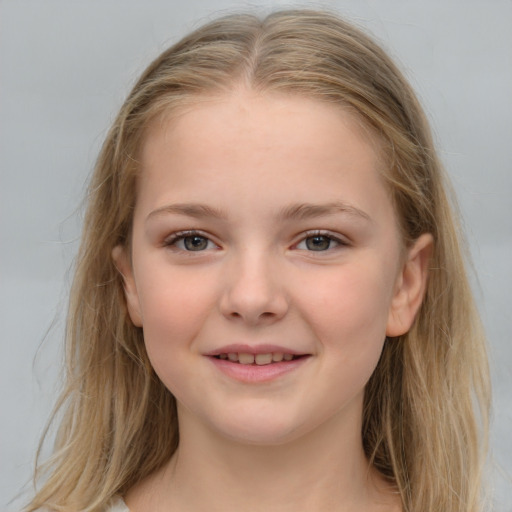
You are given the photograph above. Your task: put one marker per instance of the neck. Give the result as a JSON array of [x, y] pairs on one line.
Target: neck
[[318, 471]]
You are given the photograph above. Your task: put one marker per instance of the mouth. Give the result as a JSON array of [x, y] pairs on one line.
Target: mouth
[[257, 364], [257, 359]]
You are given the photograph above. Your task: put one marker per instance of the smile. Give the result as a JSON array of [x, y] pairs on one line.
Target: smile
[[253, 365], [257, 359]]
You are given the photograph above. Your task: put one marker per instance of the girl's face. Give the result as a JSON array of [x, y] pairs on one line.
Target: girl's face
[[266, 265]]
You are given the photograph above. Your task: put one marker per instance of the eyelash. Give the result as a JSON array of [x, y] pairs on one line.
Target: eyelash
[[340, 242], [175, 238]]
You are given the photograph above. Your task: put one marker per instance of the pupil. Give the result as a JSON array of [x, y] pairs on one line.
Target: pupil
[[195, 243], [318, 243]]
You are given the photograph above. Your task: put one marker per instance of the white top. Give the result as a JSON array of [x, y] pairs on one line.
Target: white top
[[118, 505]]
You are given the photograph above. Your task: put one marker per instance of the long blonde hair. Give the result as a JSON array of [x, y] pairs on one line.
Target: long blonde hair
[[426, 405]]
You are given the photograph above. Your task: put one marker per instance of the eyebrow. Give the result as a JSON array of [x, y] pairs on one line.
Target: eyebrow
[[198, 211], [299, 211], [304, 211]]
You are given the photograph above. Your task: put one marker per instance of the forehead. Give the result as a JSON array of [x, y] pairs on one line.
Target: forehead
[[271, 119], [245, 140]]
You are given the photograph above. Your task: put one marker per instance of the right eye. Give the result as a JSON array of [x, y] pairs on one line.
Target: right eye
[[318, 243], [190, 242]]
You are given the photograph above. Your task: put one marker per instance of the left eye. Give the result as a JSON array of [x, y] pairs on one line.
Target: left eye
[[195, 243], [318, 243], [191, 243]]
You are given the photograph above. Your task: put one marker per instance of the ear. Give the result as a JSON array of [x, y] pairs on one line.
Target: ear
[[410, 286], [124, 266]]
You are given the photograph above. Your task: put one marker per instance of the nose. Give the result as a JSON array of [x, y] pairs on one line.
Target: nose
[[253, 291]]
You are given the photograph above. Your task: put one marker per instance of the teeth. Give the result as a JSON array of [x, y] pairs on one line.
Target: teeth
[[263, 358], [246, 358], [259, 359]]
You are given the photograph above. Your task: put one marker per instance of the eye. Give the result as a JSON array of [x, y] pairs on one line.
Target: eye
[[190, 241], [319, 242], [194, 243]]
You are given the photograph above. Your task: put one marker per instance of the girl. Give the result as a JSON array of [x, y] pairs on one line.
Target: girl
[[270, 309]]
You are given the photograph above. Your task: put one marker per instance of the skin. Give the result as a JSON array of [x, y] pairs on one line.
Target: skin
[[251, 162]]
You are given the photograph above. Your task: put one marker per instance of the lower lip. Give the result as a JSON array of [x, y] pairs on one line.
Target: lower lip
[[253, 373]]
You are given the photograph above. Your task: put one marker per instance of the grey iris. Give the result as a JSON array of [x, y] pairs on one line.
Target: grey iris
[[318, 243], [195, 243]]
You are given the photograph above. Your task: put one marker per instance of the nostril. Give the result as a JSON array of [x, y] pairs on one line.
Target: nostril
[[265, 314]]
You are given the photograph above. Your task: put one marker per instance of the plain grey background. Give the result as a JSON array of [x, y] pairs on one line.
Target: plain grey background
[[65, 67]]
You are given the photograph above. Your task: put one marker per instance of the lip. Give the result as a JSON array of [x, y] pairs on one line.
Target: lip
[[253, 373], [253, 349]]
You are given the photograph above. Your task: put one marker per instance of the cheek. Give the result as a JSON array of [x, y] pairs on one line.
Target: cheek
[[174, 306], [348, 316], [348, 307]]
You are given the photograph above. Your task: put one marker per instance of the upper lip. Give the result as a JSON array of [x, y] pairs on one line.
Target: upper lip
[[253, 349]]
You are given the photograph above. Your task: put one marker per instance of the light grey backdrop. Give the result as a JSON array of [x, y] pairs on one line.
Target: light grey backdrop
[[65, 66]]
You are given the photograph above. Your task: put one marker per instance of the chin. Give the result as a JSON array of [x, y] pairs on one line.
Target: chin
[[260, 429]]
